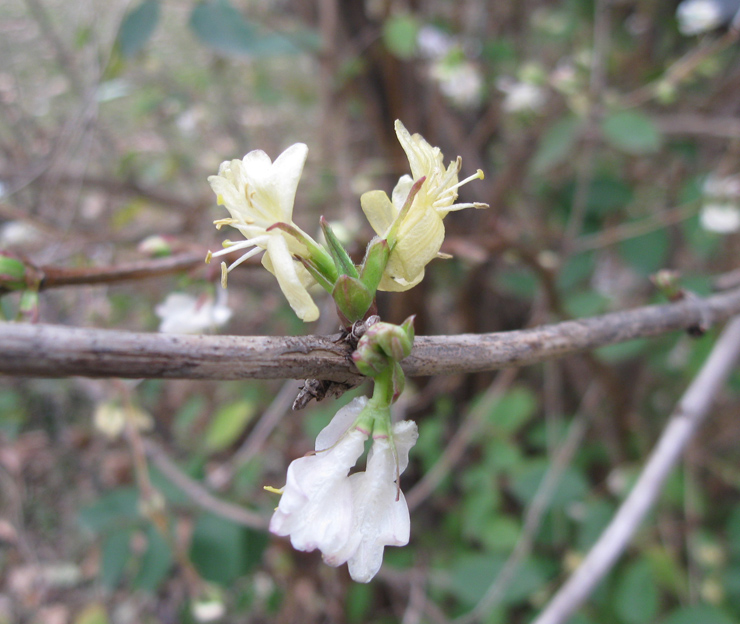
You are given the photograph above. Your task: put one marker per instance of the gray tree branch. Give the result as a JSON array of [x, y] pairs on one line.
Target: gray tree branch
[[57, 351]]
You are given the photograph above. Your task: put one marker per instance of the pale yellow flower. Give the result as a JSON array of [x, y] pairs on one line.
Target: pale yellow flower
[[259, 193], [420, 232]]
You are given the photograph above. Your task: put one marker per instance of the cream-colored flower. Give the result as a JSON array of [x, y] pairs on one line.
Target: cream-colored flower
[[419, 234], [259, 193]]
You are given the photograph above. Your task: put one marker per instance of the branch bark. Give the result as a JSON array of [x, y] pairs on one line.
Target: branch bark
[[56, 351]]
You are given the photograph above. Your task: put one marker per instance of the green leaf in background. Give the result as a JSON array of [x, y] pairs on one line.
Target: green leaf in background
[[513, 410], [556, 144], [156, 562], [228, 424], [111, 511], [399, 35], [472, 575], [648, 253], [137, 27], [632, 132], [699, 614], [636, 596], [222, 551], [223, 28], [115, 554], [571, 487], [359, 602]]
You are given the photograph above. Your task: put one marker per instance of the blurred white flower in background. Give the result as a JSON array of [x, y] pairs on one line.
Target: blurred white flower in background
[[720, 218], [461, 82], [521, 96], [699, 16], [434, 43], [185, 314], [18, 233], [720, 212]]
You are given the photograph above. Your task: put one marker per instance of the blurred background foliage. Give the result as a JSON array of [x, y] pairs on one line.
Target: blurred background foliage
[[609, 139]]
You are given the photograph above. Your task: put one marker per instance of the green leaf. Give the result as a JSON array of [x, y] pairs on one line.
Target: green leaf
[[399, 35], [222, 551], [156, 562], [137, 27], [636, 596], [513, 410], [111, 511], [646, 253], [359, 602], [699, 614], [556, 144], [115, 555], [222, 28], [472, 575], [228, 424], [632, 132], [571, 487]]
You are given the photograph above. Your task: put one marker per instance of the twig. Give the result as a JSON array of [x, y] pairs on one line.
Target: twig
[[686, 418], [199, 494], [56, 351]]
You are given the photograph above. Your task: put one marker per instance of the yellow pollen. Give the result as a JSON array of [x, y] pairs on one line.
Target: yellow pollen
[[209, 255], [273, 490]]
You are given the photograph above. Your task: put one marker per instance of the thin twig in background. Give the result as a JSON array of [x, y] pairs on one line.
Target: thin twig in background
[[106, 353], [686, 418], [199, 494]]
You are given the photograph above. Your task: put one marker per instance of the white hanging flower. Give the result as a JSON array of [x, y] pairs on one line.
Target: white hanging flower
[[350, 519], [421, 232], [380, 513], [259, 193], [315, 508], [185, 314]]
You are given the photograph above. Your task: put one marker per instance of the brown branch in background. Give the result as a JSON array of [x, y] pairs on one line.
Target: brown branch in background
[[56, 277], [56, 351]]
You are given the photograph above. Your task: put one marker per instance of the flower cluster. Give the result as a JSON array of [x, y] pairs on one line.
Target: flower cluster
[[349, 518], [259, 195]]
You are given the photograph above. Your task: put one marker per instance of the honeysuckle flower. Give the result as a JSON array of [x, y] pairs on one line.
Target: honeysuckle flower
[[184, 314], [350, 519], [380, 513], [418, 232], [315, 508], [259, 193]]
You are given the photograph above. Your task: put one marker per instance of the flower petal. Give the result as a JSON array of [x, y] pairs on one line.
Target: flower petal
[[379, 210], [279, 261]]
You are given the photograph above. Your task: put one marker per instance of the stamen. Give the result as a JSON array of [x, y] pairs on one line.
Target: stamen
[[219, 223], [455, 207], [246, 256], [478, 175], [224, 274], [273, 490], [209, 255]]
